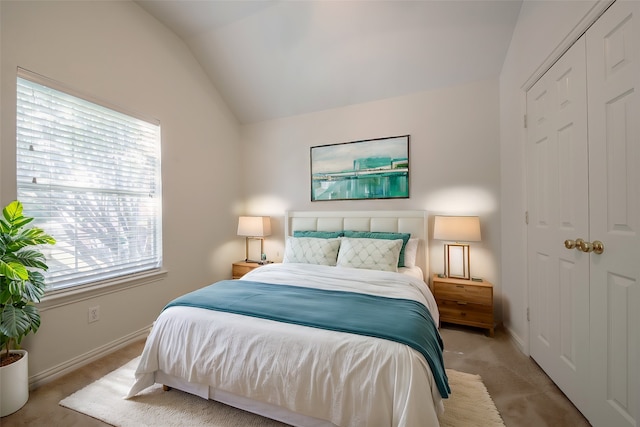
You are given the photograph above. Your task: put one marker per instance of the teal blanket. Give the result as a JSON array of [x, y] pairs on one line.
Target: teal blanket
[[400, 320]]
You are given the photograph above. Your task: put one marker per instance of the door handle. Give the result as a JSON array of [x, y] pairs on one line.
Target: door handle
[[574, 244], [597, 247], [585, 246]]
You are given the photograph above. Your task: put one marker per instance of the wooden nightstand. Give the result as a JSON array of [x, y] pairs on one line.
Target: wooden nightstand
[[464, 302], [241, 268]]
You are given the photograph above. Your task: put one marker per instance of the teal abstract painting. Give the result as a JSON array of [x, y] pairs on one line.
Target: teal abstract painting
[[368, 169]]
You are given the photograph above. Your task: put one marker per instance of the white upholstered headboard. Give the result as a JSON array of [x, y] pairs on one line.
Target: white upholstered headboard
[[414, 222]]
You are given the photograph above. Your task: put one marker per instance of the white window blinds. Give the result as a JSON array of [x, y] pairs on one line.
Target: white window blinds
[[90, 176]]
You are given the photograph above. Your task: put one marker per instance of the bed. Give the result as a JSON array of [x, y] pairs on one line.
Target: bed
[[298, 342]]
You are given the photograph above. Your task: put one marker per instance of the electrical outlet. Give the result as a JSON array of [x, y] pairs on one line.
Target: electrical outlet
[[94, 314]]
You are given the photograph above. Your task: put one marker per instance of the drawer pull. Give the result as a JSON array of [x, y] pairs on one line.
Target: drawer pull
[[462, 302], [460, 286]]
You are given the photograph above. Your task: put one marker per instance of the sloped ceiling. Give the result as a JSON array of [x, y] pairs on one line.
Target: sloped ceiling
[[272, 59]]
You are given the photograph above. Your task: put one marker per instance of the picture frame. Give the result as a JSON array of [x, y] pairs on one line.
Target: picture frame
[[361, 170]]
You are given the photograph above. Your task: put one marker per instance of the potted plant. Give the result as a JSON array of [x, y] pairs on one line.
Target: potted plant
[[21, 286]]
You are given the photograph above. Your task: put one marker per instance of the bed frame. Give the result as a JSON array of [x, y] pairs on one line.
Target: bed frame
[[401, 221]]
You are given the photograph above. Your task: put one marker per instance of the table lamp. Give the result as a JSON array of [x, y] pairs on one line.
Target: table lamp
[[254, 228], [458, 230]]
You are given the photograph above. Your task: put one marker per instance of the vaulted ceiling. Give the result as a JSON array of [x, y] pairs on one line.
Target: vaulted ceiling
[[272, 59]]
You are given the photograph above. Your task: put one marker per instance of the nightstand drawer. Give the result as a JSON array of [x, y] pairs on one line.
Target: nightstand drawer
[[464, 293], [475, 313], [241, 268]]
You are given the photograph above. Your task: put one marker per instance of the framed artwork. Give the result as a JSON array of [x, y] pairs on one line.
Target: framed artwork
[[369, 169]]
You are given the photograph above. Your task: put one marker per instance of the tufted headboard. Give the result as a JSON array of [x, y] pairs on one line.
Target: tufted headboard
[[414, 222]]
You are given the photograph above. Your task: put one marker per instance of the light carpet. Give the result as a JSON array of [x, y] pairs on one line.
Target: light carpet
[[468, 406]]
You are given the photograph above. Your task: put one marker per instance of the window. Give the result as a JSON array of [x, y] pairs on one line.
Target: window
[[90, 176]]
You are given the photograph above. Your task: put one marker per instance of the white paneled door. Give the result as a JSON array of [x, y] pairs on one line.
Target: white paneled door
[[583, 160], [613, 74], [558, 200]]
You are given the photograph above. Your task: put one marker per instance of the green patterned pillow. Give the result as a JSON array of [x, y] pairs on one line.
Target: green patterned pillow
[[319, 234]]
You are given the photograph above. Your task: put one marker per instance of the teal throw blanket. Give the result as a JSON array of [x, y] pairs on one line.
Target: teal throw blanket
[[400, 320]]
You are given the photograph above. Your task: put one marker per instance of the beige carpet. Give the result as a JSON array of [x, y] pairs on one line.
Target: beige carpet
[[469, 405]]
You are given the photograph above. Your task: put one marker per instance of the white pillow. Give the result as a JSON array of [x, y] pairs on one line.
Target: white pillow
[[372, 254], [411, 252], [311, 250]]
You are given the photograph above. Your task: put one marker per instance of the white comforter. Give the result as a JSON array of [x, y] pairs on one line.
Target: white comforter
[[346, 379]]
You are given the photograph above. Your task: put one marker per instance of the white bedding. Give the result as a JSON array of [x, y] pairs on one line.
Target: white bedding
[[345, 379], [414, 271]]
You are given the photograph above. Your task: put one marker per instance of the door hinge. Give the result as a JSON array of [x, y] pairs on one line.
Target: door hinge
[[528, 318], [526, 217], [525, 121]]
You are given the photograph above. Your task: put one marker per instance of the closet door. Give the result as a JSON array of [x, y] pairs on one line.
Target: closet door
[[613, 70], [557, 180]]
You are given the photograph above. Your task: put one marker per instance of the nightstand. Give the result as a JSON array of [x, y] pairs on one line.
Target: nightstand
[[464, 302], [241, 268]]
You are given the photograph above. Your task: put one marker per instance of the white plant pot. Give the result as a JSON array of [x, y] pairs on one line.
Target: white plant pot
[[14, 384]]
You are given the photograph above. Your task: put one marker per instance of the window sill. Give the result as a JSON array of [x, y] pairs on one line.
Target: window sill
[[61, 297]]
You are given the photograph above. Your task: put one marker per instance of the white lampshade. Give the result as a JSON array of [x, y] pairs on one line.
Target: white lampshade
[[457, 228], [254, 226]]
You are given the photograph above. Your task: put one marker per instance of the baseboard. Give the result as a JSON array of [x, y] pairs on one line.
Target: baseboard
[[519, 342], [64, 368]]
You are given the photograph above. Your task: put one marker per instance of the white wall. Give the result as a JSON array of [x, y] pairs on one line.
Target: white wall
[[116, 52], [454, 162], [543, 31]]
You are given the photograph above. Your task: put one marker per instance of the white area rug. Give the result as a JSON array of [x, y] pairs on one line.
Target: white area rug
[[468, 406]]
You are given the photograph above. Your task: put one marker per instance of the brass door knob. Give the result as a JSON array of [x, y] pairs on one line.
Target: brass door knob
[[598, 247], [586, 246]]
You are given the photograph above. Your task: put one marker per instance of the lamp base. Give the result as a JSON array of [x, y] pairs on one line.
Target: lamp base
[[247, 259], [456, 260]]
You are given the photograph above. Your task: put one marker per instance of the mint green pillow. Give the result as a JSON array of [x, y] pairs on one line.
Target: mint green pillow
[[382, 235], [318, 234], [311, 250]]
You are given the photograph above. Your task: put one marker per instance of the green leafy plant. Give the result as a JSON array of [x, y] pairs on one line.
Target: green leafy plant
[[21, 284]]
